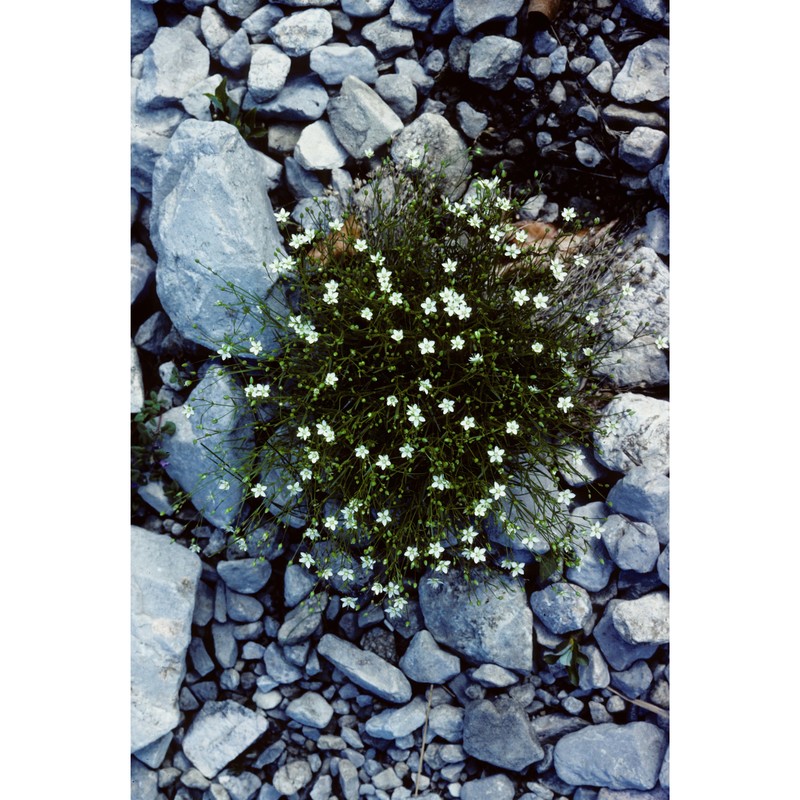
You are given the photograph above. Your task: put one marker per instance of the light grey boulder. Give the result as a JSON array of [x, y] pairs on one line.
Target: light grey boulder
[[236, 53], [334, 62], [614, 756], [302, 621], [493, 677], [310, 709], [493, 61], [246, 576], [366, 669], [210, 204], [632, 545], [659, 178], [144, 781], [299, 33], [601, 77], [643, 621], [399, 93], [562, 607], [239, 785], [297, 584], [445, 145], [318, 148], [595, 674], [425, 662], [617, 652], [302, 99], [292, 777], [640, 438], [558, 60], [260, 22], [360, 119], [220, 732], [499, 732], [215, 30], [469, 14], [173, 63], [154, 754], [447, 722], [643, 148], [269, 67], [662, 565], [643, 494], [195, 103], [365, 9], [348, 780], [656, 230], [495, 787], [394, 723], [271, 169], [406, 15], [645, 75], [238, 8], [634, 681], [279, 668], [205, 440], [485, 624], [164, 578], [388, 39], [654, 10], [144, 26], [473, 123], [137, 382], [587, 154]]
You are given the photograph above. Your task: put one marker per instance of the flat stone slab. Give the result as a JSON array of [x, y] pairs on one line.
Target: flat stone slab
[[164, 578]]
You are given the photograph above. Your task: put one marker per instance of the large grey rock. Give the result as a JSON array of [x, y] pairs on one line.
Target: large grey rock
[[493, 61], [246, 576], [219, 733], [207, 438], [164, 577], [399, 93], [334, 62], [236, 53], [562, 607], [425, 662], [144, 781], [210, 204], [366, 669], [595, 567], [615, 756], [318, 148], [445, 145], [495, 787], [292, 777], [259, 23], [643, 148], [487, 624], [643, 494], [632, 545], [173, 63], [601, 77], [644, 621], [269, 67], [302, 99], [394, 723], [499, 732], [387, 38], [310, 709], [214, 29], [360, 119], [365, 8], [137, 382], [617, 652], [469, 14], [144, 26], [654, 10], [297, 584], [238, 8], [645, 75], [640, 439], [299, 33]]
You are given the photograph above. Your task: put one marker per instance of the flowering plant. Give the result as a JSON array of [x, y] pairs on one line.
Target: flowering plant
[[431, 385]]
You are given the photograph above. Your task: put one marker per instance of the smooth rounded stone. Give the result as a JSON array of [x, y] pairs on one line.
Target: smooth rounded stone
[[235, 54], [329, 742], [469, 14], [365, 669], [562, 607], [572, 705], [493, 61], [394, 723], [662, 566], [266, 701], [214, 30], [654, 10], [360, 119], [278, 667], [595, 674], [253, 651], [269, 67], [404, 14], [310, 709], [643, 148], [617, 652], [499, 732], [659, 178], [164, 578], [627, 118], [643, 495], [238, 8], [173, 63], [399, 93], [643, 621], [365, 9], [601, 77], [302, 621], [425, 662], [447, 722], [318, 148], [297, 584], [299, 33], [495, 787], [632, 545], [144, 26], [292, 777], [246, 576], [226, 650], [640, 438], [614, 756], [494, 677], [587, 154], [634, 681], [387, 38], [656, 231], [645, 74], [473, 123], [219, 733], [334, 62]]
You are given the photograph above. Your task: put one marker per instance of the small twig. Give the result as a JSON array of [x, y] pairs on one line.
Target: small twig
[[642, 704], [424, 740]]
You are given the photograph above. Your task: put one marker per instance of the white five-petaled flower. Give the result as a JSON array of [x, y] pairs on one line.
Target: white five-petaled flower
[[512, 427], [504, 204], [442, 566], [304, 432], [346, 574], [661, 342], [496, 455], [407, 451], [446, 406], [397, 335], [474, 221], [391, 400], [521, 236], [187, 410], [281, 215], [457, 343], [429, 306], [294, 488], [392, 589], [497, 491], [592, 318], [360, 245], [377, 587], [331, 523], [396, 299], [521, 296], [361, 451], [259, 490], [587, 351], [194, 547], [224, 352], [349, 602], [384, 279], [565, 404], [384, 517], [366, 313], [367, 562], [425, 386], [449, 266], [331, 296], [305, 474], [595, 530], [516, 567], [411, 553], [325, 430], [467, 423], [307, 560], [336, 224], [627, 290], [568, 214], [255, 346], [477, 554], [427, 346], [435, 549], [564, 497], [468, 535], [512, 251], [541, 300], [537, 347], [325, 573], [440, 482], [313, 456], [557, 268], [224, 485], [369, 152], [482, 507], [476, 359], [377, 259], [383, 462], [331, 379], [581, 261]]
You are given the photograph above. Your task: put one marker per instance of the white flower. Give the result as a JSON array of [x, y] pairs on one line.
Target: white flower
[[564, 498], [468, 535], [435, 549], [377, 259], [224, 485], [331, 296], [627, 290], [304, 432], [661, 342], [541, 300], [377, 588], [392, 589], [325, 574], [521, 297], [496, 455], [313, 456], [360, 245], [476, 359], [325, 430], [335, 224], [530, 540], [564, 404], [396, 606], [512, 251], [446, 406], [557, 268], [415, 415], [482, 508], [516, 567], [497, 491], [568, 214], [496, 233], [259, 490], [305, 474], [449, 266], [366, 313], [592, 318], [477, 554], [504, 204], [331, 379], [307, 560], [467, 423], [367, 562], [383, 462], [384, 517], [537, 347], [297, 240], [407, 451], [331, 523], [521, 236], [396, 299], [581, 261], [349, 602], [442, 566], [187, 410], [346, 574], [429, 305], [425, 386], [397, 335], [427, 346], [411, 553], [194, 547], [384, 279], [369, 152], [294, 488], [391, 400], [255, 346], [457, 343], [440, 482], [474, 221], [224, 352], [414, 158], [512, 427], [587, 351], [281, 215], [361, 451], [596, 530]]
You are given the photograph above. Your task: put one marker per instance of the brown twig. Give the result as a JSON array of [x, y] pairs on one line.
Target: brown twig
[[424, 738], [642, 704]]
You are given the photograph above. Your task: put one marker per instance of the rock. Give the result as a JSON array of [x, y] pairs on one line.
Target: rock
[[473, 123], [297, 584], [644, 621], [239, 785], [600, 52], [643, 495], [302, 99], [360, 119], [278, 667], [601, 77], [238, 8], [137, 382], [469, 14], [334, 62], [659, 178], [214, 30], [551, 727], [144, 26], [615, 756], [562, 607], [404, 14], [246, 576], [365, 8], [260, 22], [587, 154], [226, 650], [269, 67], [494, 677], [292, 777], [495, 787], [627, 118], [447, 722], [582, 65], [348, 780], [318, 148], [634, 681], [195, 103], [299, 33], [632, 545], [641, 438], [544, 42], [173, 63], [205, 439], [236, 53], [394, 723], [632, 794], [164, 578], [662, 566], [645, 75], [366, 669], [310, 709], [485, 624], [643, 148], [618, 653], [399, 93], [425, 662], [663, 775], [444, 146], [656, 231], [202, 662], [654, 10], [152, 332], [595, 674], [499, 732], [493, 60], [302, 621], [558, 60], [387, 38], [144, 782]]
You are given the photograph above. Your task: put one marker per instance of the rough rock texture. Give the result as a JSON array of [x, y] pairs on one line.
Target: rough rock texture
[[645, 75], [302, 99], [469, 14], [334, 62], [485, 624], [619, 653], [632, 545], [269, 67], [318, 147], [298, 34], [425, 662], [164, 577], [644, 620], [493, 61], [562, 607], [643, 494], [397, 722]]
